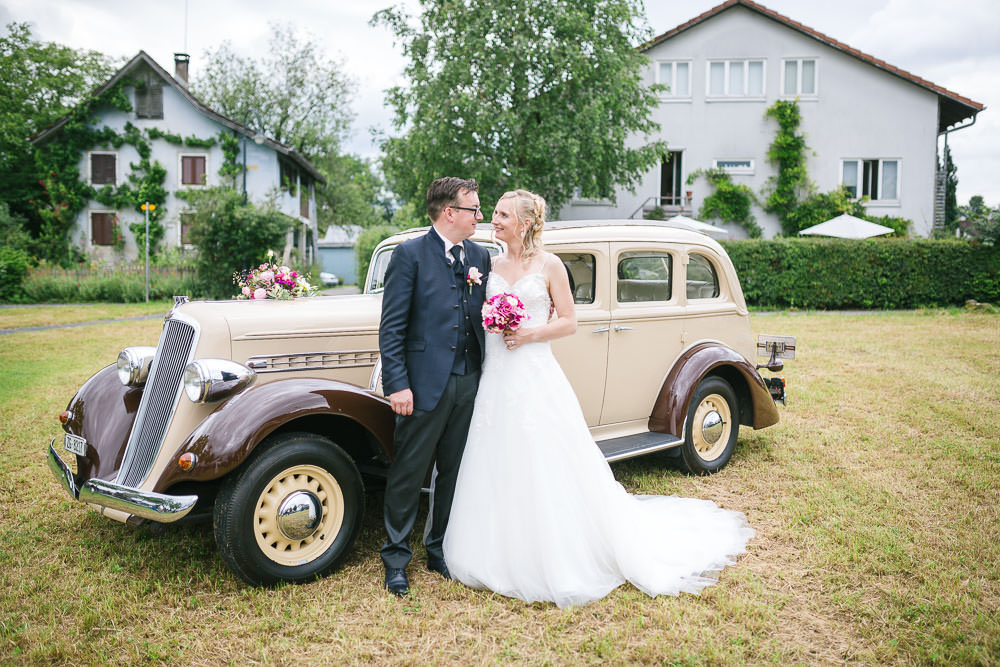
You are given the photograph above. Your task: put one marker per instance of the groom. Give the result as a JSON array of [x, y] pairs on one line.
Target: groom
[[432, 342]]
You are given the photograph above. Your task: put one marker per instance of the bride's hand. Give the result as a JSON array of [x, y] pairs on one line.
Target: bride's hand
[[515, 339]]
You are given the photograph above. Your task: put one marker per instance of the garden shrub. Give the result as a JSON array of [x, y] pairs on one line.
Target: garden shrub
[[872, 273], [14, 264], [124, 284], [365, 246]]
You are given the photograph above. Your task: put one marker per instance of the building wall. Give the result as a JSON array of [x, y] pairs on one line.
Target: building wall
[[180, 117], [859, 112]]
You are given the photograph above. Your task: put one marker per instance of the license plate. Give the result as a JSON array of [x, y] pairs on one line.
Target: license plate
[[75, 444]]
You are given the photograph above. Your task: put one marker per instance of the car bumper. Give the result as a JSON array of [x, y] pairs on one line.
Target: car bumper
[[144, 504]]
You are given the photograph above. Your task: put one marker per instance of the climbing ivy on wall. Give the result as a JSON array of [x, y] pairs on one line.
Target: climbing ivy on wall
[[788, 152], [64, 193], [729, 202]]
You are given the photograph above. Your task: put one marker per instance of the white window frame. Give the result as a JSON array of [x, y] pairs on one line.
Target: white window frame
[[735, 170], [876, 201], [727, 95], [180, 170], [798, 83], [90, 169], [670, 95], [90, 226]]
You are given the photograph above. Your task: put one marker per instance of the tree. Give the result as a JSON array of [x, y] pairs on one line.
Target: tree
[[980, 221], [353, 195], [39, 82], [522, 94], [231, 237], [298, 96]]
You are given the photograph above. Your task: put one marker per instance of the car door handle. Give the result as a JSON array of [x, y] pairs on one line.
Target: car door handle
[[601, 330], [617, 328]]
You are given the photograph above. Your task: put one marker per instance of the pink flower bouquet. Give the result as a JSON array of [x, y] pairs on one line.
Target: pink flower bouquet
[[270, 281], [503, 312]]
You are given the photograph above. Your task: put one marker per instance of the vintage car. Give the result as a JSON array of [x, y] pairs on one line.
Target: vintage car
[[267, 416]]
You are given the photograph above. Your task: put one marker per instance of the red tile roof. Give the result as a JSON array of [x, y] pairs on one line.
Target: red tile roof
[[972, 106]]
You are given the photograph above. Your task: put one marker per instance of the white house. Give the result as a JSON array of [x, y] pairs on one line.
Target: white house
[[868, 125], [184, 136]]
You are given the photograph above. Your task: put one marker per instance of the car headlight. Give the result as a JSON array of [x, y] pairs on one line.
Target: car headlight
[[211, 380], [133, 365]]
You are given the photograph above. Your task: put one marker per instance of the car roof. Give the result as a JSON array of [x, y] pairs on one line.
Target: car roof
[[572, 231]]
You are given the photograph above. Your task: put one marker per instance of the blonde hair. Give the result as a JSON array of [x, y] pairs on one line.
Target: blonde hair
[[529, 209]]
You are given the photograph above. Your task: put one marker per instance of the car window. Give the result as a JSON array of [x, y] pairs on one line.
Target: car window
[[644, 275], [381, 262], [581, 268], [702, 280]]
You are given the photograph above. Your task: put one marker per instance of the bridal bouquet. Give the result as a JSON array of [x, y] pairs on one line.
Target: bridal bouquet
[[270, 281], [503, 312]]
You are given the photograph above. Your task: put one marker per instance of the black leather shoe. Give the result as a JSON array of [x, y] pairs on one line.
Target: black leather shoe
[[438, 565], [396, 581]]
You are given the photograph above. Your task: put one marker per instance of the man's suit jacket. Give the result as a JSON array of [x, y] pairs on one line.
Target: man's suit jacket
[[421, 316]]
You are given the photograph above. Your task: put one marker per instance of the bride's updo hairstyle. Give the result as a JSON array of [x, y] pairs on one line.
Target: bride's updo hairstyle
[[530, 210]]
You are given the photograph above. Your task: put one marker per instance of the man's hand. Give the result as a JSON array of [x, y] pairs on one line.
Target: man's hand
[[402, 402]]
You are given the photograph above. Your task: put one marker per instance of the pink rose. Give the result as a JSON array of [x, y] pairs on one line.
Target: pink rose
[[246, 291], [260, 293], [266, 276]]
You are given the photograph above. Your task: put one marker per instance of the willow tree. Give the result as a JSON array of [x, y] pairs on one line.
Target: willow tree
[[547, 95]]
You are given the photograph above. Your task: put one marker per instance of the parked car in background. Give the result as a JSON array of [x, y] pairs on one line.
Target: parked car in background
[[329, 279], [267, 416]]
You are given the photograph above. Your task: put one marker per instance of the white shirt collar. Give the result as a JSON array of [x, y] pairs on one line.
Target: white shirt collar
[[448, 246]]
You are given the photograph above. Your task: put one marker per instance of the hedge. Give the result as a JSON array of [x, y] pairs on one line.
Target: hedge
[[873, 273], [121, 285]]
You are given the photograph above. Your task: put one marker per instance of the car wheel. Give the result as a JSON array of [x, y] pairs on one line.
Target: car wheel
[[291, 512], [711, 428]]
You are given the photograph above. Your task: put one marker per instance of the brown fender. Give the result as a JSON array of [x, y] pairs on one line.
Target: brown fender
[[103, 412], [671, 407], [227, 436]]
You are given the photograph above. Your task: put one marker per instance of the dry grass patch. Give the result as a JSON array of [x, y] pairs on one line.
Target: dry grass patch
[[875, 502], [13, 317]]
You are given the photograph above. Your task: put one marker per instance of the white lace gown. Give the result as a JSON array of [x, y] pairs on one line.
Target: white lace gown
[[538, 514]]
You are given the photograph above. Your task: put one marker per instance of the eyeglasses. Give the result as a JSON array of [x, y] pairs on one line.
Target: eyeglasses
[[475, 211]]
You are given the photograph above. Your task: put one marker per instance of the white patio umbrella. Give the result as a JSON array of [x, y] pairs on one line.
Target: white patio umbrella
[[846, 226], [699, 226]]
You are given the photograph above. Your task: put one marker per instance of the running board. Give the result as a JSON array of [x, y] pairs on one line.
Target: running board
[[615, 449]]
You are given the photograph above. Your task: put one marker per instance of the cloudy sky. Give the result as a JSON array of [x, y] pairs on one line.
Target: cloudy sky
[[955, 45]]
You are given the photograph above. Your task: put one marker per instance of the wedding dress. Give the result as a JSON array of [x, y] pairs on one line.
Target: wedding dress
[[537, 512]]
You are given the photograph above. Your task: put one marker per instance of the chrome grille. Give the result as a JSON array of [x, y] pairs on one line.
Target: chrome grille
[[158, 402]]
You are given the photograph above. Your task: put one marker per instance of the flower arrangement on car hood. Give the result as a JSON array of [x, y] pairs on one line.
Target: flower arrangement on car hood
[[270, 281]]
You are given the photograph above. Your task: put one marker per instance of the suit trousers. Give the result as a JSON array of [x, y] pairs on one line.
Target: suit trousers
[[424, 437]]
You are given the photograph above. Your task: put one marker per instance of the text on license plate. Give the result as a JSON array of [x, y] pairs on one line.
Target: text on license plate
[[76, 444]]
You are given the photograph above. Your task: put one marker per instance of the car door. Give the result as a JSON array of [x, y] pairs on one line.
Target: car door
[[647, 326], [584, 355]]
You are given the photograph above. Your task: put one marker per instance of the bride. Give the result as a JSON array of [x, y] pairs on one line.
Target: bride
[[537, 513]]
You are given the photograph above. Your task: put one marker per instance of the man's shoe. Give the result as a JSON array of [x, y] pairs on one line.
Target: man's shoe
[[438, 565], [396, 581]]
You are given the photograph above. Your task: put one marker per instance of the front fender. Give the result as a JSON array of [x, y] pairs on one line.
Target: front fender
[[103, 412], [227, 436], [670, 409]]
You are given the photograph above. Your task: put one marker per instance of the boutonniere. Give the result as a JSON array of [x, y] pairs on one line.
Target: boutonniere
[[473, 278]]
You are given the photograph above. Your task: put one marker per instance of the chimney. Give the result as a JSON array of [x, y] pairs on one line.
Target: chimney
[[181, 61]]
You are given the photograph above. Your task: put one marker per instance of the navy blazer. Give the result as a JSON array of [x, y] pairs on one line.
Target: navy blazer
[[420, 316]]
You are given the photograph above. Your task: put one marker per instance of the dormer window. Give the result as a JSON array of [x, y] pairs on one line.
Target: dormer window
[[149, 101]]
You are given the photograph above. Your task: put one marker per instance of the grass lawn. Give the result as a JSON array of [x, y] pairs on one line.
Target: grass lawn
[[876, 503], [36, 316]]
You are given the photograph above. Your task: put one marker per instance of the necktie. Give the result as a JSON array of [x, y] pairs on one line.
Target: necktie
[[457, 266]]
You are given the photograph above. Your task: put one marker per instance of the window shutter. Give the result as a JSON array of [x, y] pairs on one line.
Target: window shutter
[[102, 169], [193, 170], [101, 228], [149, 102]]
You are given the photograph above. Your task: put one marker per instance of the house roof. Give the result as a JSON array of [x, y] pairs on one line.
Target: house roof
[[953, 107], [143, 57]]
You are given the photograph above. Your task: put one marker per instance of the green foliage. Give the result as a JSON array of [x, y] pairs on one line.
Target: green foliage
[[522, 93], [231, 237], [123, 284], [14, 263], [40, 81], [293, 94], [195, 142], [12, 231], [900, 226], [230, 168], [169, 137], [819, 207], [729, 202], [365, 246], [980, 221], [950, 192], [873, 273], [788, 152], [353, 194], [655, 213]]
